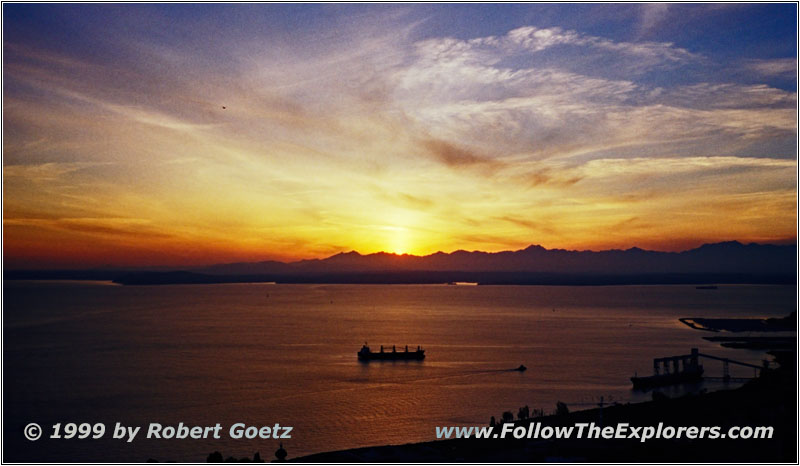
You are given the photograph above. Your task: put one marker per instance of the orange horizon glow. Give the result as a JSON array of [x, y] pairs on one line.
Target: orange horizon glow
[[86, 255]]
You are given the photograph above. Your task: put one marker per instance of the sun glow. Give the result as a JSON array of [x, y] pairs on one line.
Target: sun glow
[[400, 233], [399, 240]]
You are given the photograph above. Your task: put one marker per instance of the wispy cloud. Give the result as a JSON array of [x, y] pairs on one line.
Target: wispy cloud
[[652, 14], [775, 67], [649, 54], [44, 172], [456, 157], [103, 227]]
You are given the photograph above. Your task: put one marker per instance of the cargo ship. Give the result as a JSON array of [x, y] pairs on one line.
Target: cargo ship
[[365, 354]]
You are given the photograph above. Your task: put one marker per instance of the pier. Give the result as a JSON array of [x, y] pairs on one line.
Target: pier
[[686, 368], [726, 362]]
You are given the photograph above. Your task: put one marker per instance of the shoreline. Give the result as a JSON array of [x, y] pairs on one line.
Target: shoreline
[[738, 325], [408, 278], [769, 400]]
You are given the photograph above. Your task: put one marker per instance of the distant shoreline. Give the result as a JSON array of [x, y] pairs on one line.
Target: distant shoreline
[[788, 323], [405, 278]]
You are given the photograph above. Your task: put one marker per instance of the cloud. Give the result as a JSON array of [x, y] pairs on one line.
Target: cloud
[[706, 95], [547, 111], [775, 67], [103, 227], [416, 201], [44, 172], [500, 97], [649, 54], [681, 165], [711, 176], [454, 156], [106, 227], [531, 39], [524, 44], [652, 14], [539, 226]]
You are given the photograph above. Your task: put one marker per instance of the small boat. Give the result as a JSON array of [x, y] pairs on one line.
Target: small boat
[[365, 354], [706, 287], [521, 368]]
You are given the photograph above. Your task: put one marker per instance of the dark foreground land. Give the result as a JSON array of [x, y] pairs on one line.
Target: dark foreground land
[[768, 401]]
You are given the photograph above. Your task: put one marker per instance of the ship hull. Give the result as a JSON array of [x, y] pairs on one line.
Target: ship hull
[[392, 356]]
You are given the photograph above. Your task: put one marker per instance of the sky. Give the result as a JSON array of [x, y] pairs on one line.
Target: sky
[[190, 134]]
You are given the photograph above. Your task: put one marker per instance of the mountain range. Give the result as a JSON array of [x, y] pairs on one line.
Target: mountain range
[[728, 257], [726, 262]]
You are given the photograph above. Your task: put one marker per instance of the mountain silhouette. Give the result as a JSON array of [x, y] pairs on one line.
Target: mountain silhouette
[[727, 262], [720, 258]]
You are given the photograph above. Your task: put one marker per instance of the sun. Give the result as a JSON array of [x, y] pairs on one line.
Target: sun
[[399, 240], [400, 234]]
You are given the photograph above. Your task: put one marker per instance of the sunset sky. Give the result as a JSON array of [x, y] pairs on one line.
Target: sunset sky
[[195, 134]]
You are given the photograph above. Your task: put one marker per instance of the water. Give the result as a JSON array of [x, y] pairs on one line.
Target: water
[[261, 354]]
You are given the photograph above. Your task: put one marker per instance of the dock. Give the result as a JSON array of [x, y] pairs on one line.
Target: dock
[[686, 368]]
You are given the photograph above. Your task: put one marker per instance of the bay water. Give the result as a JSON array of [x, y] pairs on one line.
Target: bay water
[[262, 354]]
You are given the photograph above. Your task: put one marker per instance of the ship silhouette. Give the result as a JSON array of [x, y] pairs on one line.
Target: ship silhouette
[[365, 354]]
